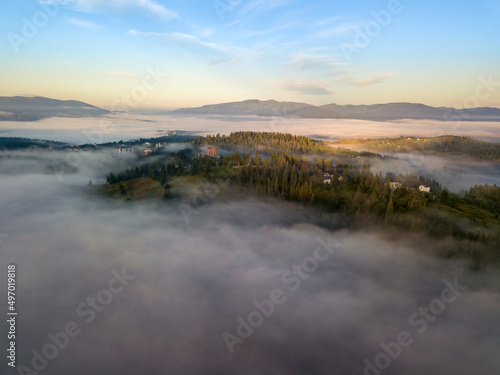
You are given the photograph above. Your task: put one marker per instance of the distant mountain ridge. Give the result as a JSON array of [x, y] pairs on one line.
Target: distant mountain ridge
[[22, 108], [375, 112]]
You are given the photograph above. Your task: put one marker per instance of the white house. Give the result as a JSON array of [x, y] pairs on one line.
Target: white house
[[327, 178], [396, 185], [426, 189]]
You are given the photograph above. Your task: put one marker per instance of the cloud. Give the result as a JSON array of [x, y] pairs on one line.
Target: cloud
[[339, 29], [305, 87], [158, 9], [373, 80], [84, 24], [233, 54], [327, 21], [206, 33], [102, 6], [180, 37], [264, 5], [269, 31], [306, 61], [250, 6], [220, 61], [340, 72], [192, 283], [349, 79], [454, 172]]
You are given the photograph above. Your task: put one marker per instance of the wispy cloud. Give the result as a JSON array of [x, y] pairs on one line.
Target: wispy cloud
[[220, 61], [180, 37], [264, 5], [306, 60], [234, 23], [206, 33], [250, 6], [156, 8], [101, 6], [123, 74], [84, 24], [304, 87], [371, 80], [224, 54], [233, 54], [339, 29], [269, 31], [326, 21]]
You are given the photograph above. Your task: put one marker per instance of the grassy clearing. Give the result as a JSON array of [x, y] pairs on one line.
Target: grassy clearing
[[138, 189]]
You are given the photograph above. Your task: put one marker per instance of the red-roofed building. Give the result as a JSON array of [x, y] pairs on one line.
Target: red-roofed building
[[213, 152]]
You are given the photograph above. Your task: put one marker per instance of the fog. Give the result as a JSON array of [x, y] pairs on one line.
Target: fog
[[453, 172], [456, 173], [181, 288], [125, 127]]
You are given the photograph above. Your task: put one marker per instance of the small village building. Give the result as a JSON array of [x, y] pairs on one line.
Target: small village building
[[327, 178], [424, 188], [213, 152], [396, 185]]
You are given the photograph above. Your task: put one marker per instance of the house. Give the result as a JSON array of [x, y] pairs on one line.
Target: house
[[213, 152], [424, 188], [327, 178], [396, 185], [124, 149]]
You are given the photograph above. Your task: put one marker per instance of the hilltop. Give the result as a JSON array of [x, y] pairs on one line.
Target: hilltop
[[376, 112], [22, 108], [446, 144], [304, 171]]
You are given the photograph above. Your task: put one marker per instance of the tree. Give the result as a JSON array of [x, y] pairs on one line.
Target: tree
[[111, 179], [166, 192], [390, 207], [122, 190], [445, 196]]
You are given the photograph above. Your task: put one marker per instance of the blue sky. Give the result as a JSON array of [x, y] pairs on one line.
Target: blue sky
[[319, 52]]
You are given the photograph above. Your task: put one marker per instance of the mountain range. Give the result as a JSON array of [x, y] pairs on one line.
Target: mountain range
[[376, 112], [23, 108]]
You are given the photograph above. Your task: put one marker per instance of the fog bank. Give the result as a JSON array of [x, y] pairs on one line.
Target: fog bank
[[182, 287], [125, 127]]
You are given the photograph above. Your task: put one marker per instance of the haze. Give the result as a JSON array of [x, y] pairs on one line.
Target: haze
[[192, 282]]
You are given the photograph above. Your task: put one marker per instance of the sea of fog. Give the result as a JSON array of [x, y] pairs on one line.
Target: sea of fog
[[125, 127], [457, 174], [240, 287]]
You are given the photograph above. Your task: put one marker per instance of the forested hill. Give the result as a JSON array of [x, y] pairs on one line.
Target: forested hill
[[448, 144], [16, 143], [375, 112], [276, 142], [22, 108], [334, 183]]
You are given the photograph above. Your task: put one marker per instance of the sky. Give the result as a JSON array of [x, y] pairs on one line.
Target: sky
[[171, 54]]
